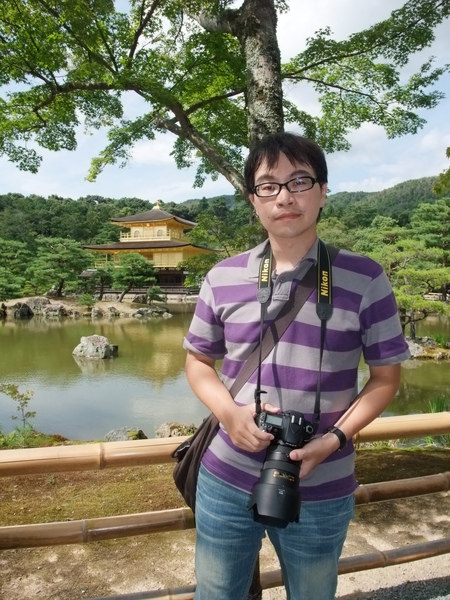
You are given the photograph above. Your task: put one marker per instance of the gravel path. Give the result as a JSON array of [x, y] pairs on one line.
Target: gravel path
[[385, 526]]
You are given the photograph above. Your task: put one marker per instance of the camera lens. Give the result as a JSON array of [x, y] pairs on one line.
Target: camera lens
[[275, 499]]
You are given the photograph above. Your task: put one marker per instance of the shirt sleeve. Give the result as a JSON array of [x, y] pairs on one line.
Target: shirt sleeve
[[206, 331], [383, 339]]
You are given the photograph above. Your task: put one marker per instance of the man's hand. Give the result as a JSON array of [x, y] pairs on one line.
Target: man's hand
[[315, 452], [239, 422]]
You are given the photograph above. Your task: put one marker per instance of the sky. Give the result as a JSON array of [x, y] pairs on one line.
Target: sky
[[373, 163]]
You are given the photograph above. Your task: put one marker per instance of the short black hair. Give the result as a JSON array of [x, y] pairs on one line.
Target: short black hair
[[297, 148]]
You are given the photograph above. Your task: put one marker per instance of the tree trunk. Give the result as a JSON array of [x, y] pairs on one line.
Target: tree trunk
[[256, 29], [412, 325], [59, 290], [122, 295], [102, 290], [254, 24]]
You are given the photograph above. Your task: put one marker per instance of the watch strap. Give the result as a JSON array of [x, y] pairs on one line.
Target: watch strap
[[340, 435]]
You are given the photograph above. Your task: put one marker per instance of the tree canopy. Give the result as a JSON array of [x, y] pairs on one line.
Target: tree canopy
[[208, 71]]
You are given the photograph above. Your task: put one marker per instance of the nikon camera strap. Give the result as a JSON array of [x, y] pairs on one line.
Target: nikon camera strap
[[320, 278]]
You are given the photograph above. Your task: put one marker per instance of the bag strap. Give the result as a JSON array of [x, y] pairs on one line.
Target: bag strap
[[276, 329]]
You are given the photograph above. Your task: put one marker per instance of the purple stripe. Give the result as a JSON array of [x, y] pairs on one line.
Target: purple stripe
[[379, 311], [233, 294], [205, 346], [204, 312], [338, 488], [358, 264], [240, 260], [241, 333], [305, 380], [303, 334], [346, 299], [231, 368], [384, 350], [229, 474], [345, 486]]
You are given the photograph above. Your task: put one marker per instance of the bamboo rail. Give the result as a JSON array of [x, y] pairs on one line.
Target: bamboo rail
[[88, 457], [405, 426], [95, 530], [352, 564], [106, 528], [105, 455]]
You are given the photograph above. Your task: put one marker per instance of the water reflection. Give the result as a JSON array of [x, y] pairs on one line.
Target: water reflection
[[83, 399], [145, 385]]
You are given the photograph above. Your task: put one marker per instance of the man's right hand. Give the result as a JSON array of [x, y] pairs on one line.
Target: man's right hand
[[239, 423]]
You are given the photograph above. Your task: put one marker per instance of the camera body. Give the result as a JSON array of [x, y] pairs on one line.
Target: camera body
[[275, 499], [290, 427]]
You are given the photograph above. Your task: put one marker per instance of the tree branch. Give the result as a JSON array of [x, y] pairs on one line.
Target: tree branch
[[342, 89], [222, 23], [145, 19], [94, 55], [368, 47], [187, 131]]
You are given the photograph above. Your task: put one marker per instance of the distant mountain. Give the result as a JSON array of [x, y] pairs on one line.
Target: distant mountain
[[397, 202], [193, 202]]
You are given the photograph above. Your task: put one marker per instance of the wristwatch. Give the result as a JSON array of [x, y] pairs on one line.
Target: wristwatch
[[340, 435]]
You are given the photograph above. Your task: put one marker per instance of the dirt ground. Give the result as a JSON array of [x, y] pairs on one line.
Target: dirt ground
[[165, 560]]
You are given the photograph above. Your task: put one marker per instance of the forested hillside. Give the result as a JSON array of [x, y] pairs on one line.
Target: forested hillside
[[86, 220], [404, 228], [360, 208]]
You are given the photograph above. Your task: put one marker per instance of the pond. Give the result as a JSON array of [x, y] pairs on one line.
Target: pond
[[145, 386]]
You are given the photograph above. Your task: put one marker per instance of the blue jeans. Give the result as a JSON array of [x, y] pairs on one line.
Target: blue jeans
[[228, 542]]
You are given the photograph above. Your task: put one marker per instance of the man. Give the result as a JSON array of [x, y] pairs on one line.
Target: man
[[286, 177]]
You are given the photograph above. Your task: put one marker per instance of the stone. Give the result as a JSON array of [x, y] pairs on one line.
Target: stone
[[174, 429], [22, 311], [95, 346], [54, 311], [415, 349], [37, 304], [125, 434], [151, 311]]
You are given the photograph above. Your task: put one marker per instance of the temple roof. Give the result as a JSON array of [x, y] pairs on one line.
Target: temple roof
[[147, 245], [156, 214]]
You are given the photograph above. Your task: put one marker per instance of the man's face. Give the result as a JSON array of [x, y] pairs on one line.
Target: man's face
[[289, 214]]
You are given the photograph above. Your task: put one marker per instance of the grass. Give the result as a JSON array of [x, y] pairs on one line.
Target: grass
[[64, 496], [28, 437]]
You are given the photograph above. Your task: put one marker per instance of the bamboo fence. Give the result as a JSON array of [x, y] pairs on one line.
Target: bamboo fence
[[158, 451], [106, 455], [107, 528]]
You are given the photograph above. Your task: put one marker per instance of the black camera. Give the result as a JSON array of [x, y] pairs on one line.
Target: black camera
[[275, 499]]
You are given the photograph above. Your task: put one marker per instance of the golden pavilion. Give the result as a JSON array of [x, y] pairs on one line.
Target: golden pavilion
[[160, 237]]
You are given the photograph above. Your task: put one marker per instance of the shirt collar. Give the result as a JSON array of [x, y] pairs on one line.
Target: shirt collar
[[258, 252]]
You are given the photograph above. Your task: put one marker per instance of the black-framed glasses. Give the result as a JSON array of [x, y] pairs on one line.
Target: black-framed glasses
[[298, 184]]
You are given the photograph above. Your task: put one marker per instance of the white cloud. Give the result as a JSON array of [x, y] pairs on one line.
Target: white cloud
[[154, 152], [343, 17]]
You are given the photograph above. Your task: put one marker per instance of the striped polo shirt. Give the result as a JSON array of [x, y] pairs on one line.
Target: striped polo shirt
[[364, 323]]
